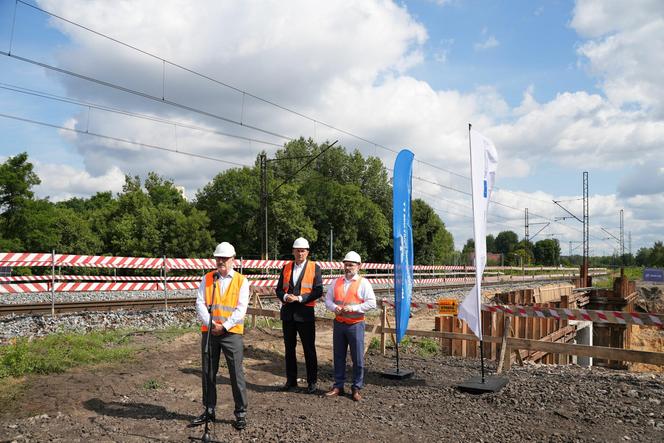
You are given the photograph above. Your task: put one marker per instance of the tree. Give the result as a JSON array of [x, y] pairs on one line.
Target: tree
[[16, 180], [432, 243], [506, 242], [231, 201], [547, 252], [491, 243]]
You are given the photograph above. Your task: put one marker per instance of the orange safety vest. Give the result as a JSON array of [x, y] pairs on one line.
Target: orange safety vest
[[350, 298], [307, 284], [223, 306]]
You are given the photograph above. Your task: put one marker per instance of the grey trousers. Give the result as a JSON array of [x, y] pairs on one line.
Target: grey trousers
[[232, 347]]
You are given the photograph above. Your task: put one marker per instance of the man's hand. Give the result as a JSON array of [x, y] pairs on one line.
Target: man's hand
[[217, 328], [338, 309], [290, 298]]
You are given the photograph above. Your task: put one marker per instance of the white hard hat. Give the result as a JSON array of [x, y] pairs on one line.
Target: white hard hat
[[301, 243], [224, 249], [353, 256]]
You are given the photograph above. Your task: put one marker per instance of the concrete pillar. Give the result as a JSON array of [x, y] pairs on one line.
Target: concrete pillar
[[584, 336]]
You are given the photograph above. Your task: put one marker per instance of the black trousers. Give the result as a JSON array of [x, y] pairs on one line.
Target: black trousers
[[232, 347], [307, 332]]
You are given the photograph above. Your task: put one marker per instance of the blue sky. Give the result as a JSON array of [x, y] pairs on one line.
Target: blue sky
[[559, 86]]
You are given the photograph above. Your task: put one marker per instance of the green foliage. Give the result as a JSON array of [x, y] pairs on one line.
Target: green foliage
[[16, 180], [151, 384], [432, 243], [374, 344], [506, 242], [547, 252], [59, 352], [311, 190], [427, 347], [651, 257]]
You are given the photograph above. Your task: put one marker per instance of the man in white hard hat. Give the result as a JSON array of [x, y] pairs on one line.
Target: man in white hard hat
[[223, 297], [349, 297], [300, 285]]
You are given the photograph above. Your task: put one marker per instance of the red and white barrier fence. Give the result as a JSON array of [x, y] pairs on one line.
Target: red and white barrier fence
[[13, 259], [616, 317]]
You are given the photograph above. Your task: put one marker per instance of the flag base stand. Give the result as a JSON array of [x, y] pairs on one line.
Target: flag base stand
[[397, 374], [478, 386]]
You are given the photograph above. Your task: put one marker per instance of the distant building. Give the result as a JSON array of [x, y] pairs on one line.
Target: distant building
[[492, 259]]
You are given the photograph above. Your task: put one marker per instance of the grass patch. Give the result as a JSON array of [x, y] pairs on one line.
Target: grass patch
[[58, 352], [632, 273], [427, 347], [151, 384], [175, 331], [10, 390], [374, 344]]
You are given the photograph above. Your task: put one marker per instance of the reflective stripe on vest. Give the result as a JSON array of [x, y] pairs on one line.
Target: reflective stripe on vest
[[351, 297], [223, 306], [307, 281]]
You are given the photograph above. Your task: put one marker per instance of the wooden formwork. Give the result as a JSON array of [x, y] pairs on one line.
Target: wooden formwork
[[493, 324]]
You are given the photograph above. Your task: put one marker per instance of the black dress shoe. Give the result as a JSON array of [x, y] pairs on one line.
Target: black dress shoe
[[240, 423], [200, 420], [312, 388], [288, 386]]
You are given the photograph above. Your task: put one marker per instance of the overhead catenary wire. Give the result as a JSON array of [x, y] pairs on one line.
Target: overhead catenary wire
[[121, 140], [90, 105]]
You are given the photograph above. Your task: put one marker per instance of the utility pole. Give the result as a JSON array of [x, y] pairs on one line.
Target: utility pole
[[263, 200], [586, 223], [331, 240], [622, 235], [586, 227], [629, 241], [264, 192], [526, 235]]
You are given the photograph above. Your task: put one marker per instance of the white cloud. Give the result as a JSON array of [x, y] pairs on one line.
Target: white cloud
[[624, 50], [62, 182], [490, 42]]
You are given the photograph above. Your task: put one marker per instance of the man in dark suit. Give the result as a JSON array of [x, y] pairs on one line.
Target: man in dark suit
[[300, 285]]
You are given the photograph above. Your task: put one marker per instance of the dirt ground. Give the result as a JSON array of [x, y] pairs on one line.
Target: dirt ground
[[155, 395]]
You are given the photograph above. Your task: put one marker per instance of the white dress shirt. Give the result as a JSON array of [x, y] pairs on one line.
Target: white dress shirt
[[365, 293], [237, 316], [297, 271]]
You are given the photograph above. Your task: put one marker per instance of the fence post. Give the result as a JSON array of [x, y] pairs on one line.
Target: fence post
[[163, 270], [383, 322], [53, 282], [253, 316], [505, 357]]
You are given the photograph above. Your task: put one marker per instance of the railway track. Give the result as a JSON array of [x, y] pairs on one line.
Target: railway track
[[159, 303], [106, 305]]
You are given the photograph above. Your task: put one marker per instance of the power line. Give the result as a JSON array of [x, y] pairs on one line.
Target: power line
[[122, 140], [49, 96]]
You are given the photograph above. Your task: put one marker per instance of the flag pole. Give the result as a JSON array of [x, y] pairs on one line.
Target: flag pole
[[482, 385], [478, 280]]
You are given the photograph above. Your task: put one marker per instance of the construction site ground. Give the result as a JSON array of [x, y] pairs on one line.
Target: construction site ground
[[153, 397]]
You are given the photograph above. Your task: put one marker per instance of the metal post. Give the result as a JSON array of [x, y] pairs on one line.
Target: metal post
[[331, 241], [263, 196], [53, 282], [163, 270], [622, 237]]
